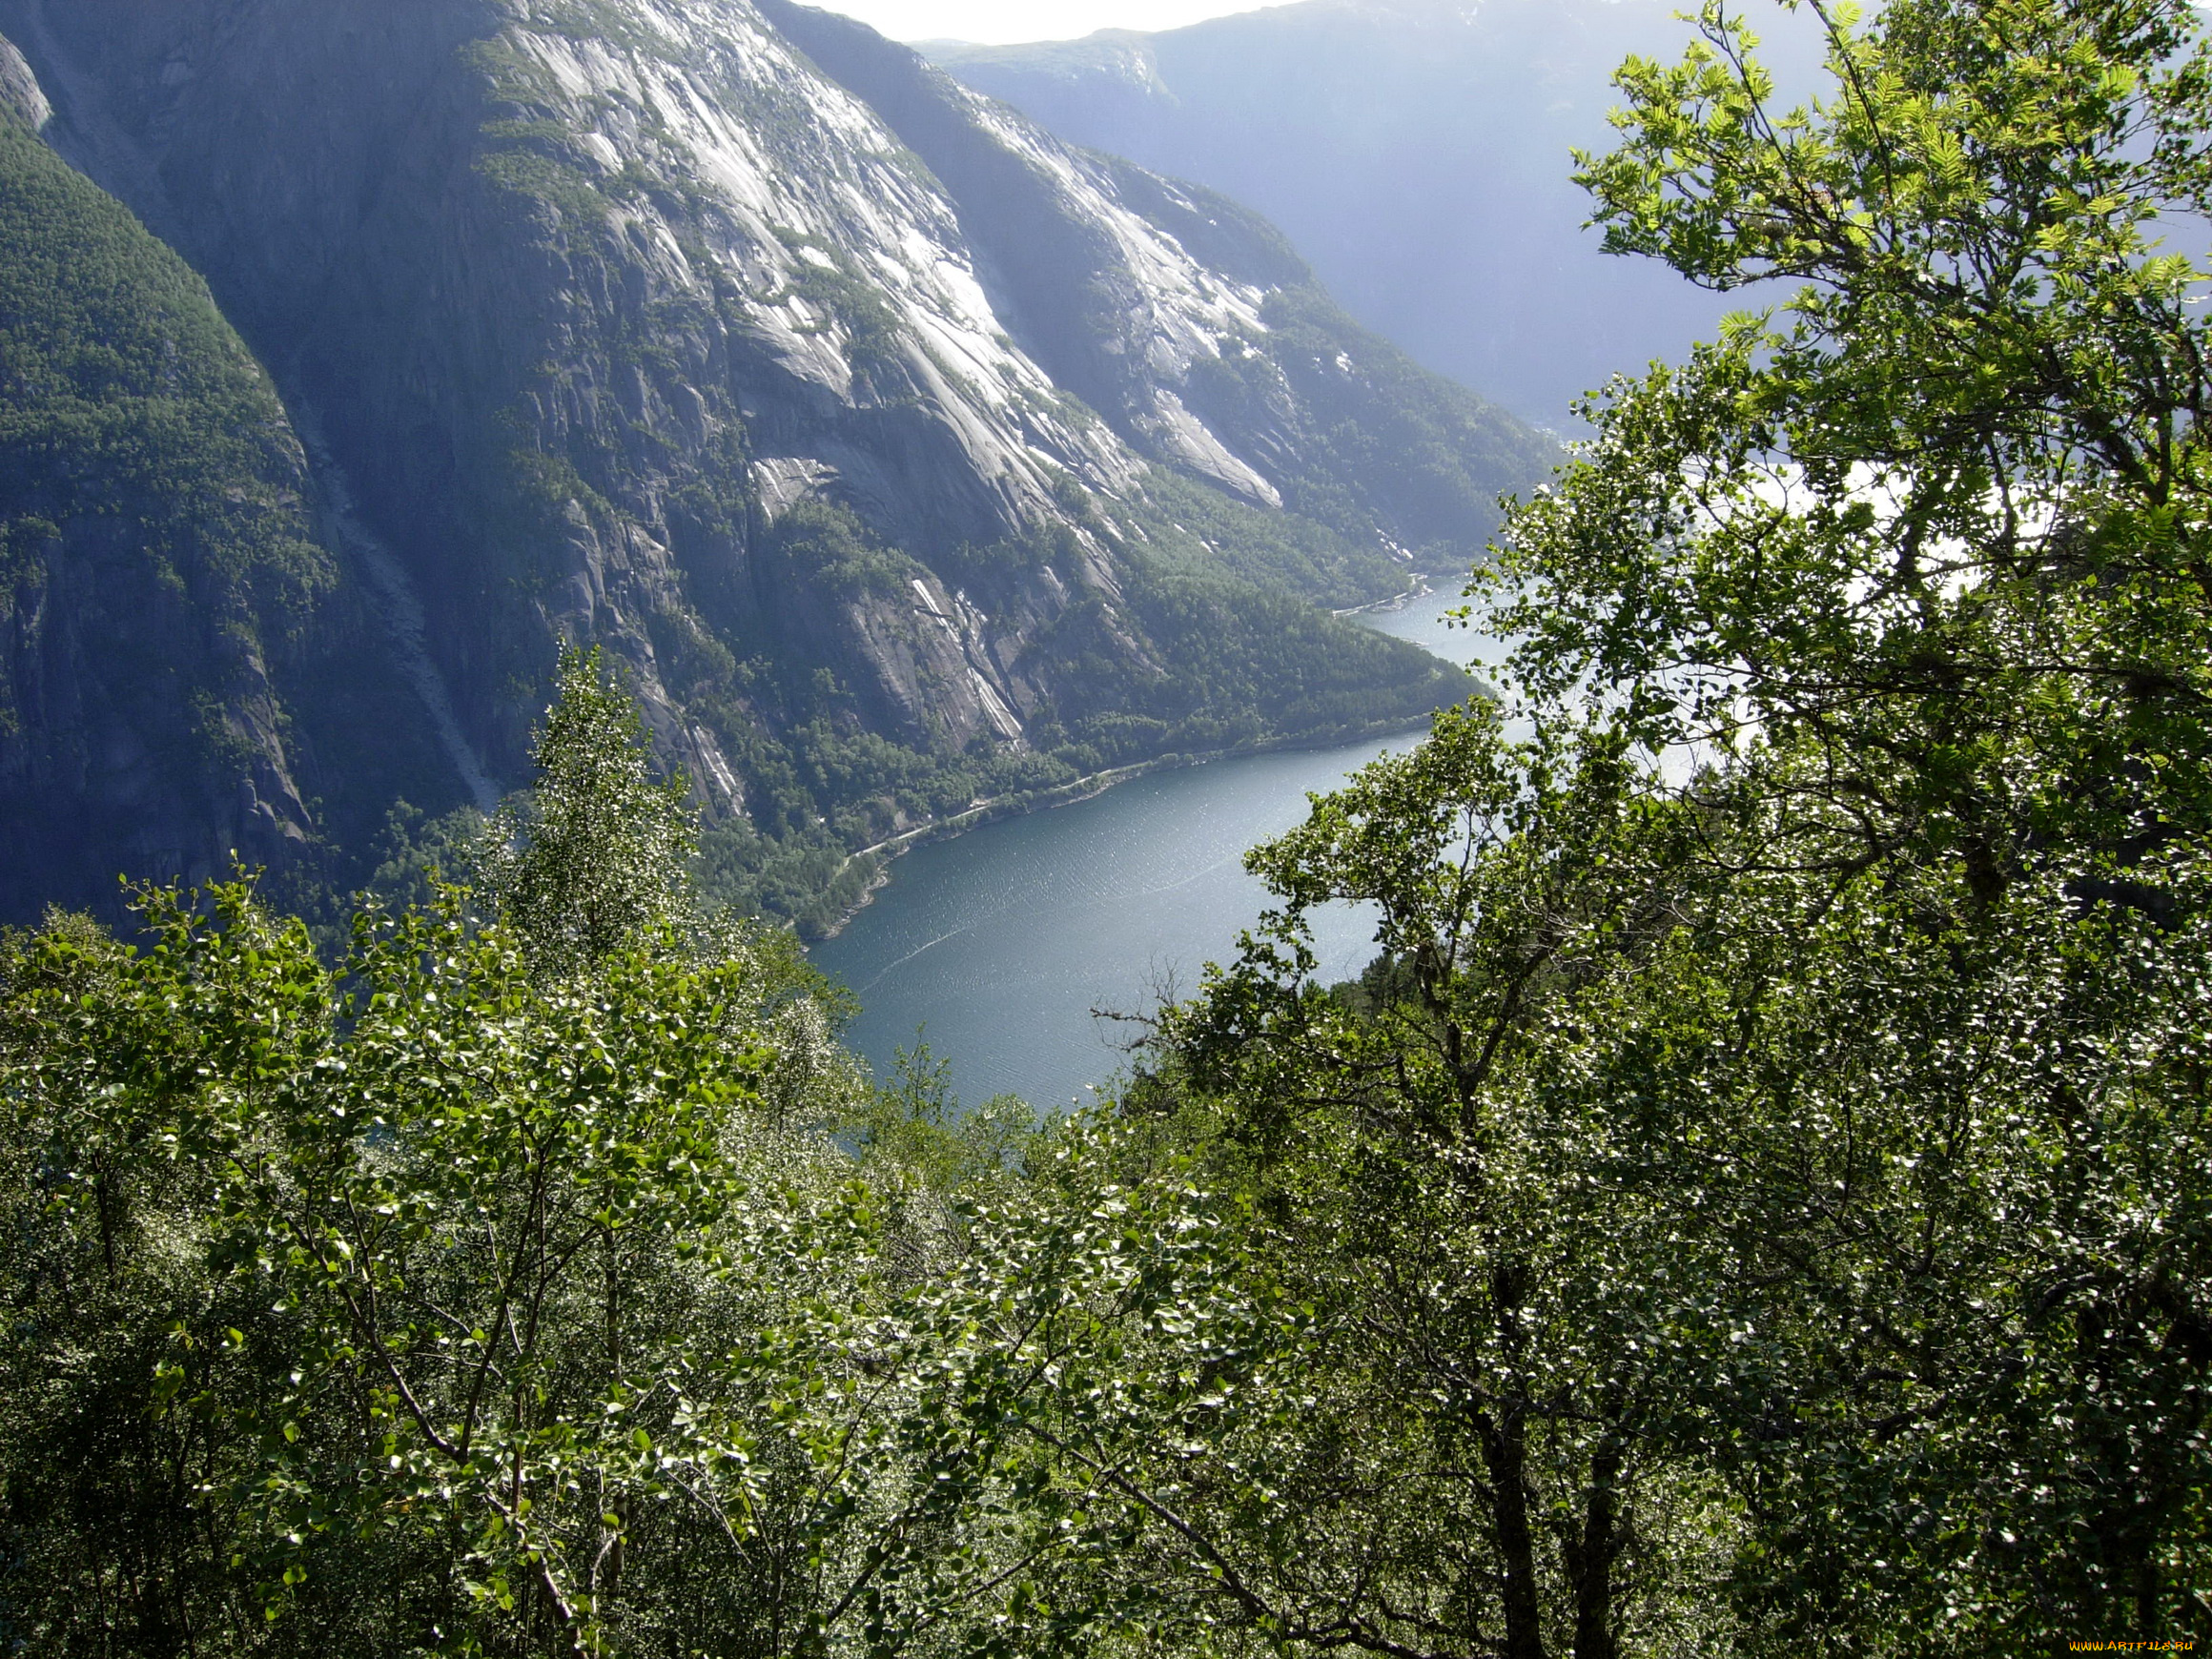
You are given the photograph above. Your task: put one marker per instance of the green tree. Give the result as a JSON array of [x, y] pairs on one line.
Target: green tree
[[492, 1291], [1385, 1350], [598, 852], [1768, 1178]]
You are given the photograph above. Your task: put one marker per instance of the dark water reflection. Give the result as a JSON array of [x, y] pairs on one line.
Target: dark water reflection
[[1002, 941]]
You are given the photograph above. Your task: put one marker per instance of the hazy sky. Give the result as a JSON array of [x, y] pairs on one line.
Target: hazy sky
[[1000, 21]]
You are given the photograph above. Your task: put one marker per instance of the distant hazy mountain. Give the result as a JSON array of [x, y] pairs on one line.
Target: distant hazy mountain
[[900, 453], [1416, 152]]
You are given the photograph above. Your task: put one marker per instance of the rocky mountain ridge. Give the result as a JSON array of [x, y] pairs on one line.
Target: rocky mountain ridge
[[900, 453], [1419, 152]]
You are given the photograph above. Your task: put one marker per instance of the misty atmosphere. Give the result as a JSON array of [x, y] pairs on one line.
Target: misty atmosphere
[[1416, 154]]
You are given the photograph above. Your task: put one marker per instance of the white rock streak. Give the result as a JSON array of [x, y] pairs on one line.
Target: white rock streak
[[840, 199], [995, 706]]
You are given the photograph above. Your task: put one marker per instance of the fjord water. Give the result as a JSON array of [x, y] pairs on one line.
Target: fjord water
[[997, 945]]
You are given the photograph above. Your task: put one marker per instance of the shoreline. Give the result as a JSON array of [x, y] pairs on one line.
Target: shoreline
[[1421, 590], [1092, 785], [1089, 787]]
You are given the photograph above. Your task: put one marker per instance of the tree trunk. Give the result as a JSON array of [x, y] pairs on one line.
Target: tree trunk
[[1593, 1587], [1505, 1451]]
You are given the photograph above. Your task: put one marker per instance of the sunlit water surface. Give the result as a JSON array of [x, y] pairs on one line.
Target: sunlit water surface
[[998, 945]]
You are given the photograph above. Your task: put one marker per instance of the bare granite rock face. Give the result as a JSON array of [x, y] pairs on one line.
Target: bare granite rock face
[[1419, 152], [844, 406], [21, 96]]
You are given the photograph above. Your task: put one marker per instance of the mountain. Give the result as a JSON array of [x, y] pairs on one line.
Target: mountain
[[1418, 153], [900, 454], [161, 571]]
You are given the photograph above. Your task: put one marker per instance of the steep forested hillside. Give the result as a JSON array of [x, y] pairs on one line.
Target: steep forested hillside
[[903, 454], [184, 670]]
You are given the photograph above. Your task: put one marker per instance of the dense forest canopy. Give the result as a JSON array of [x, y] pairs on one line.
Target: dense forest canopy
[[1759, 1200]]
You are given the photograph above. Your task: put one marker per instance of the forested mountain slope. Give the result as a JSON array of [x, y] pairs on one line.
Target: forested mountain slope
[[166, 607], [1416, 150], [900, 453]]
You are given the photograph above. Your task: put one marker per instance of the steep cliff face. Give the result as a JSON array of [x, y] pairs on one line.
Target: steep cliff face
[[1419, 152], [1186, 319], [170, 628], [902, 453], [22, 99]]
